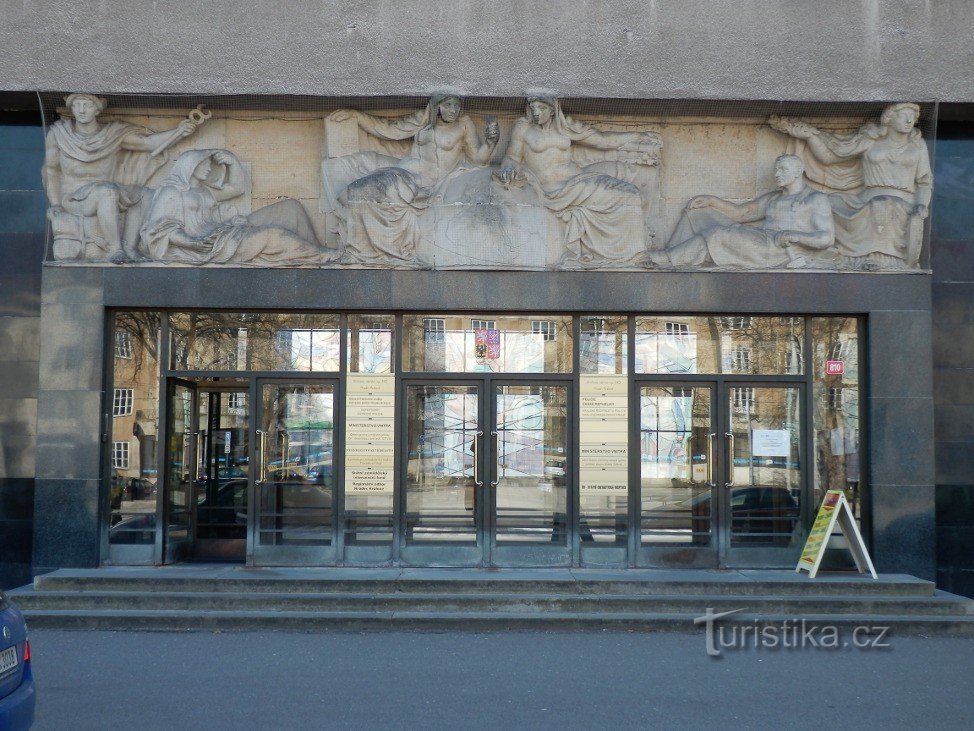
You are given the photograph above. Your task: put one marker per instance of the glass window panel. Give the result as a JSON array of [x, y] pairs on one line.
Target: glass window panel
[[532, 479], [370, 343], [223, 465], [135, 424], [517, 344], [675, 465], [441, 428], [765, 499], [835, 397], [239, 341], [673, 344], [296, 489], [603, 344]]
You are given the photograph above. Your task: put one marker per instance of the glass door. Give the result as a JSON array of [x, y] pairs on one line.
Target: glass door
[[678, 457], [442, 516], [180, 466], [220, 490], [764, 482], [296, 503], [530, 465]]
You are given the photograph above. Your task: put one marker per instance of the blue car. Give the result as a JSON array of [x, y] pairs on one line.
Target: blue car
[[16, 680]]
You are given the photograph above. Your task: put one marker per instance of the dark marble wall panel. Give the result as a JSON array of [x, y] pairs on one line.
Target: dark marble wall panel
[[22, 240], [66, 525], [952, 260]]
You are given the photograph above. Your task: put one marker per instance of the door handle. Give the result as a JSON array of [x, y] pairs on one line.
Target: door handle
[[710, 460], [261, 467], [730, 459], [493, 433], [476, 459]]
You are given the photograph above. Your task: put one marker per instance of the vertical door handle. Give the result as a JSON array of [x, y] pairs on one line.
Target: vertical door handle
[[476, 459], [730, 458], [261, 443], [493, 433], [710, 460]]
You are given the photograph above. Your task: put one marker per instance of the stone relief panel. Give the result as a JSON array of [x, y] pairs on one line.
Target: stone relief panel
[[879, 181], [446, 188], [564, 195]]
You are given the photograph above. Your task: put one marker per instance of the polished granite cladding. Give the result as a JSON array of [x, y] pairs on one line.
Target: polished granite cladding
[[952, 257], [66, 528], [22, 238]]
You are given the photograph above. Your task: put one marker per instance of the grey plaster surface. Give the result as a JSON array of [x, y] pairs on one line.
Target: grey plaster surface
[[448, 680], [705, 49]]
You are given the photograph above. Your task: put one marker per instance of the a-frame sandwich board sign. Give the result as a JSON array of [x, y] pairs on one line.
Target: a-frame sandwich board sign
[[835, 509]]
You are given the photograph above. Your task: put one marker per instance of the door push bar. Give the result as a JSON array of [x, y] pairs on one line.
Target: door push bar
[[493, 433], [476, 459], [710, 460], [730, 458]]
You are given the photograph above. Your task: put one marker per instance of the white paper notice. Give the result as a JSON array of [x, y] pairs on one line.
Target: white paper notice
[[771, 443], [603, 459], [370, 430]]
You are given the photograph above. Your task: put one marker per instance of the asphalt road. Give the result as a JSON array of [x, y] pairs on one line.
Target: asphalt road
[[384, 680]]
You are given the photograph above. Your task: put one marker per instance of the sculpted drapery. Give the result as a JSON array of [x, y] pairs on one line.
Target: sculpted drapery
[[378, 199], [185, 223], [882, 180]]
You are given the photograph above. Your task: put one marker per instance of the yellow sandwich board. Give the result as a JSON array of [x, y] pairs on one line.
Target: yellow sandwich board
[[835, 510]]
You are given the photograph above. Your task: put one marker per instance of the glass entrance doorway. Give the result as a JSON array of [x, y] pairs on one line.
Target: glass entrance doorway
[[208, 464], [486, 473], [720, 474], [477, 440]]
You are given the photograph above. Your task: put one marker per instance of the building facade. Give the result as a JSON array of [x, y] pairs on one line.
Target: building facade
[[322, 308]]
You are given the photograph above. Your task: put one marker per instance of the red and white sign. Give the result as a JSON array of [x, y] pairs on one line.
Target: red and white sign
[[834, 367]]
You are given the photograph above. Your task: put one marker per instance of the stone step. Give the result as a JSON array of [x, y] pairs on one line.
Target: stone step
[[393, 581], [941, 604], [180, 620]]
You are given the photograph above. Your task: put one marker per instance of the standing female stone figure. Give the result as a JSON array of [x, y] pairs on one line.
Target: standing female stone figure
[[880, 225], [378, 199], [602, 212]]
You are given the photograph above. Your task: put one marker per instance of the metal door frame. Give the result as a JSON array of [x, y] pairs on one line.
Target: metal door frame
[[313, 555], [758, 557], [680, 556], [440, 555], [486, 553], [169, 551]]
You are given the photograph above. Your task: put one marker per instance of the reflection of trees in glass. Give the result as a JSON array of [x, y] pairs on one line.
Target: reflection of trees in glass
[[253, 341], [142, 329], [836, 419]]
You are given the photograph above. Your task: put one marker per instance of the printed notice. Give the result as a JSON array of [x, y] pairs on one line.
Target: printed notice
[[771, 443], [370, 433], [603, 416]]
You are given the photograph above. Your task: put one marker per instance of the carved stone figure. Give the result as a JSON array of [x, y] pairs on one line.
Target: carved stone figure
[[599, 204], [778, 229], [94, 175], [883, 183], [188, 223], [378, 199]]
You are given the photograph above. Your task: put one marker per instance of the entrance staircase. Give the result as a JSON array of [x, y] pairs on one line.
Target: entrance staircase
[[238, 598]]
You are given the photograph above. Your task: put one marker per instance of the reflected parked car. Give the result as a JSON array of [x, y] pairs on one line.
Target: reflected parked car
[[766, 513], [17, 693]]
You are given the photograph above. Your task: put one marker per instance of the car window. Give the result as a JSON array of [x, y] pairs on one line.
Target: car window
[[4, 602]]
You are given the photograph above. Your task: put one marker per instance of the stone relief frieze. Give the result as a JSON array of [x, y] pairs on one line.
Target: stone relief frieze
[[788, 228], [444, 188], [95, 175], [879, 182]]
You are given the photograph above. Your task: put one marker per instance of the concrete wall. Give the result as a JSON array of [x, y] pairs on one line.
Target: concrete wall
[[697, 49]]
